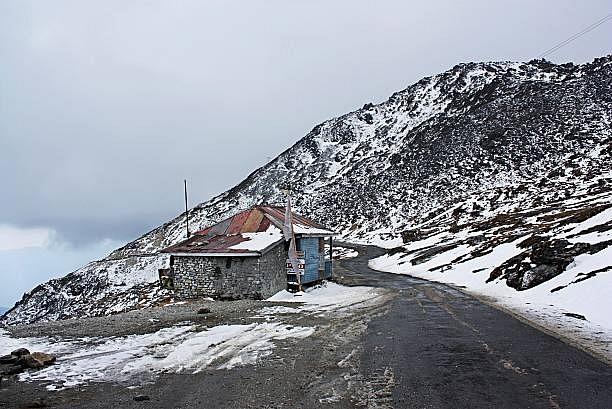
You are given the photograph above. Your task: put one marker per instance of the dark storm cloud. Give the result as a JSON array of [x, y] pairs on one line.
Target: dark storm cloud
[[106, 106]]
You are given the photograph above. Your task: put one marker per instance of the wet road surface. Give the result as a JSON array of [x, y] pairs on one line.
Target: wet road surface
[[435, 347]]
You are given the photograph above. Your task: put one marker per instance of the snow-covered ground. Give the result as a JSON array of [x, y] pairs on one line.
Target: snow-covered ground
[[327, 297], [136, 358], [183, 348]]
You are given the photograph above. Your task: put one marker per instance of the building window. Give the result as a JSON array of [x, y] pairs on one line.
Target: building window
[[228, 262]]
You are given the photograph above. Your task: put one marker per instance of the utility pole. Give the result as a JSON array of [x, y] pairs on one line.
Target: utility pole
[[186, 210]]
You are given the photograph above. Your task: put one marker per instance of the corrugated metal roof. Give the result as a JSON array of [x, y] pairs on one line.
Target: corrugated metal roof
[[221, 237]]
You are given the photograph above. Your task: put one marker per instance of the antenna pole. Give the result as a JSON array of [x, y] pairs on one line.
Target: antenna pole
[[186, 209]]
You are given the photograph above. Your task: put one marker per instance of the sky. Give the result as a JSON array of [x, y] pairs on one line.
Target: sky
[[105, 107]]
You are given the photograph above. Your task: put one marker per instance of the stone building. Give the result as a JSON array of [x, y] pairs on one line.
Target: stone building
[[245, 256]]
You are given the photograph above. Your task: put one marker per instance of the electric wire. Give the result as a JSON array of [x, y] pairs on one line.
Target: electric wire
[[575, 36]]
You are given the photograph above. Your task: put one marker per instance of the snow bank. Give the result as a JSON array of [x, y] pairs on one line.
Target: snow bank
[[328, 296]]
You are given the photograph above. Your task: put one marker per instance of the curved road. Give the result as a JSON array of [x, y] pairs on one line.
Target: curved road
[[436, 347]]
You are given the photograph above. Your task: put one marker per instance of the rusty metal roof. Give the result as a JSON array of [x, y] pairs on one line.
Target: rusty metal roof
[[229, 236]]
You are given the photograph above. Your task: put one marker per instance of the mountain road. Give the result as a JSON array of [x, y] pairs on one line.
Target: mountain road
[[412, 344], [436, 347]]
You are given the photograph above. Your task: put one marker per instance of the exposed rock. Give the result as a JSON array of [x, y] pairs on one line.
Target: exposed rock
[[574, 315], [46, 359], [544, 260], [204, 310], [8, 359], [20, 360], [28, 361], [432, 252], [412, 235], [140, 398]]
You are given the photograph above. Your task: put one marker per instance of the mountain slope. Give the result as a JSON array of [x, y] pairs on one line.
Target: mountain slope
[[482, 139]]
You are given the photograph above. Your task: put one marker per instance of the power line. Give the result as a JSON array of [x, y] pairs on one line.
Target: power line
[[575, 36]]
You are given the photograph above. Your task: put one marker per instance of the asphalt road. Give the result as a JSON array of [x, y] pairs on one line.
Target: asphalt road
[[435, 347]]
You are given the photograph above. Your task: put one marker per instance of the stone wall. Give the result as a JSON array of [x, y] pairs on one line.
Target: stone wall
[[192, 276], [273, 271], [231, 277]]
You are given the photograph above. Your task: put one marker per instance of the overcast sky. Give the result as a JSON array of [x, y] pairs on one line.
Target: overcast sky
[[106, 106]]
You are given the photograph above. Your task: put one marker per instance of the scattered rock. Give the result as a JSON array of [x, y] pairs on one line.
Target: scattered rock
[[546, 258], [140, 398], [28, 361], [395, 250], [574, 315], [409, 236], [21, 359], [431, 252], [8, 359], [46, 359], [20, 352]]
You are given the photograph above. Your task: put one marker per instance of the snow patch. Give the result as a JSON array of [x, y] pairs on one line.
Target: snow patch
[[327, 297], [141, 357]]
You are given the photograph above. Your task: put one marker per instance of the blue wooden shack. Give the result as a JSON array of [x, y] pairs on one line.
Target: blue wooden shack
[[246, 256]]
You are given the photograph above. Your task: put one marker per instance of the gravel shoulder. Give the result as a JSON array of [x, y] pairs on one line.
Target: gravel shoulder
[[320, 370]]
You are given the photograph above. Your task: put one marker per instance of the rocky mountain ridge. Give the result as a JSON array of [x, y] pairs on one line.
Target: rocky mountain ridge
[[457, 154]]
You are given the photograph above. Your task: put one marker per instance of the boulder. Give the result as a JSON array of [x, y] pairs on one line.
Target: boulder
[[20, 352], [46, 359], [8, 359], [544, 259], [28, 361]]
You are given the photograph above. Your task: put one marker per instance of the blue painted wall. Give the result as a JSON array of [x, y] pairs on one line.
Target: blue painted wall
[[310, 247]]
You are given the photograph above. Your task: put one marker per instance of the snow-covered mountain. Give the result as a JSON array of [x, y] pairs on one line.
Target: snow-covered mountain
[[478, 156]]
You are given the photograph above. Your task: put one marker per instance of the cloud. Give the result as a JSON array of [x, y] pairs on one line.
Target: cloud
[[15, 238], [22, 269]]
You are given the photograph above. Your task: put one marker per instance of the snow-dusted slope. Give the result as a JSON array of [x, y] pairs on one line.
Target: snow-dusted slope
[[468, 147]]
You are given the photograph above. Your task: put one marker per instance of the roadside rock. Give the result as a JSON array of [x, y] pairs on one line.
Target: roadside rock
[[8, 359], [20, 359], [46, 359], [544, 260], [28, 361]]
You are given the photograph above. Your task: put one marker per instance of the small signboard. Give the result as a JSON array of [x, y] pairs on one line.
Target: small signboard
[[301, 266]]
